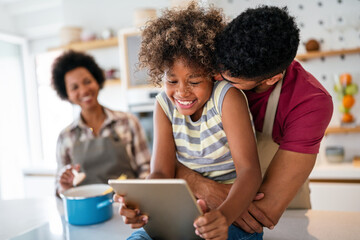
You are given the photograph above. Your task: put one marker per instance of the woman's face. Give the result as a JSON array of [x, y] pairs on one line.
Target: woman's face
[[82, 88], [188, 89]]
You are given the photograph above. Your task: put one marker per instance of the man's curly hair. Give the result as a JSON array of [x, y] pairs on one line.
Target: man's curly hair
[[258, 44], [181, 33], [68, 61]]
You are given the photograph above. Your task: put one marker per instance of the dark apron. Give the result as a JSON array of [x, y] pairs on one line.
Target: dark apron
[[102, 158], [267, 149]]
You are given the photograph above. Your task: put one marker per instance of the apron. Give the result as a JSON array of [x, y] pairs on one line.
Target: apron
[[102, 158], [267, 148]]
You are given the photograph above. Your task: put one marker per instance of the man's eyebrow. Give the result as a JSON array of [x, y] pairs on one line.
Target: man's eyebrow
[[227, 79]]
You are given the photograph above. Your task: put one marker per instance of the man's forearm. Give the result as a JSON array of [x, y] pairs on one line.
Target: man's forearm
[[203, 188], [286, 174]]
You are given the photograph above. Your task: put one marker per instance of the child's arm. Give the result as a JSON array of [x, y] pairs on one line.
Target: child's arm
[[241, 139], [163, 161], [163, 164]]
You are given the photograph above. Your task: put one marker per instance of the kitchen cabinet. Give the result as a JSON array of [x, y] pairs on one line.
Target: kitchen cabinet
[[335, 196], [335, 186], [319, 54]]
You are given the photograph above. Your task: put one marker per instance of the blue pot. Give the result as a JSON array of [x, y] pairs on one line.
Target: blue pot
[[87, 204]]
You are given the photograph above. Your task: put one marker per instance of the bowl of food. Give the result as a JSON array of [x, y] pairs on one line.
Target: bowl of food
[[334, 154]]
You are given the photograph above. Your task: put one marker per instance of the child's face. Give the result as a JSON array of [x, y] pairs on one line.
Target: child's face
[[187, 88]]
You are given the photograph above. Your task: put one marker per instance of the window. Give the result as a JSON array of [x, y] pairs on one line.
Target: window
[[14, 135], [54, 114]]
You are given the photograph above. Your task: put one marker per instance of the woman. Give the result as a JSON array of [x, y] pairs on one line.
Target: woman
[[101, 143]]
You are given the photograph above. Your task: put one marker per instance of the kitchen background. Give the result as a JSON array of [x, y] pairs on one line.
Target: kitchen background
[[33, 31]]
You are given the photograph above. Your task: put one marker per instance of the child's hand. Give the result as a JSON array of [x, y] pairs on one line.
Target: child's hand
[[212, 225], [130, 215]]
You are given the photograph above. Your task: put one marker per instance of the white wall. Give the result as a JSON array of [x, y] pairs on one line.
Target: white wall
[[98, 15], [6, 23]]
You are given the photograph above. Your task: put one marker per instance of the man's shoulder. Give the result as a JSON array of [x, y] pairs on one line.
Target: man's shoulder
[[299, 79]]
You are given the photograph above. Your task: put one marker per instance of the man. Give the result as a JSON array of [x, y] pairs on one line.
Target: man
[[291, 111]]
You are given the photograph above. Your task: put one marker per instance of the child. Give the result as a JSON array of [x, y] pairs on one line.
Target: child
[[204, 126]]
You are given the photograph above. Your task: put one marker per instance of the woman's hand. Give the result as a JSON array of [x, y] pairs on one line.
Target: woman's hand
[[212, 225], [130, 214], [67, 177]]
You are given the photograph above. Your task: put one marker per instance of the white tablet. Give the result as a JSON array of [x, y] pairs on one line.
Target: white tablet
[[169, 203]]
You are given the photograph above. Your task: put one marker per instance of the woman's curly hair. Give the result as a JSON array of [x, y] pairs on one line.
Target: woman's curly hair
[[181, 33], [68, 61], [258, 44]]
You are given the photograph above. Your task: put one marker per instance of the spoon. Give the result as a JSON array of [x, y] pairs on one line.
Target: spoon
[[78, 177]]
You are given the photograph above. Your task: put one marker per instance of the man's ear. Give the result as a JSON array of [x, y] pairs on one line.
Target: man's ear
[[271, 81]]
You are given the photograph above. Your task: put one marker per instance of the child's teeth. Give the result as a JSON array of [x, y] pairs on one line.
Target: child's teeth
[[185, 102]]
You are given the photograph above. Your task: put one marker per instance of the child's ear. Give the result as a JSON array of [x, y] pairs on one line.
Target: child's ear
[[271, 81]]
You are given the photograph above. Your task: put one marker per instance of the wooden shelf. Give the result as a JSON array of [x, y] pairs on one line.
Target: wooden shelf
[[110, 82], [318, 54], [338, 130], [84, 46]]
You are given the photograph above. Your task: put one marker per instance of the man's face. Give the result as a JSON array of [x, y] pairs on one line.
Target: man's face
[[246, 84]]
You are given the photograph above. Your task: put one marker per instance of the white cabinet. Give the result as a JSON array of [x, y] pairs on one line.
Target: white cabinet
[[335, 196], [335, 187]]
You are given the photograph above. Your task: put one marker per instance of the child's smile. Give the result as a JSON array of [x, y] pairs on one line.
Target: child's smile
[[187, 88], [185, 104]]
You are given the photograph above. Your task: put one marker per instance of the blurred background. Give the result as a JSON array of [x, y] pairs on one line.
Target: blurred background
[[34, 32]]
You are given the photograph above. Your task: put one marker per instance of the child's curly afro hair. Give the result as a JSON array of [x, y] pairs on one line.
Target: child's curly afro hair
[[181, 33]]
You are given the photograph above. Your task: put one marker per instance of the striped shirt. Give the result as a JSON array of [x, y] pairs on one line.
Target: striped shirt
[[202, 145]]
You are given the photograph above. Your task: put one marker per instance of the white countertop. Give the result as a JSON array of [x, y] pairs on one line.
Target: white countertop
[[42, 219], [320, 225], [335, 171]]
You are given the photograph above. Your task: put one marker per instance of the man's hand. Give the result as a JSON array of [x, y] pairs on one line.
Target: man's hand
[[253, 220], [203, 188]]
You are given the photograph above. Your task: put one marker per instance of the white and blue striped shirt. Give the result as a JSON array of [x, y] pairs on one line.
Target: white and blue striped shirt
[[202, 145]]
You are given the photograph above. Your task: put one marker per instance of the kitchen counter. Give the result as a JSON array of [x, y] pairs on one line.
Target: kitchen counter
[[335, 171], [42, 219], [312, 224]]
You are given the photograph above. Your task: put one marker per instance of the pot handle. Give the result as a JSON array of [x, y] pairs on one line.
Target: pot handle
[[104, 203]]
